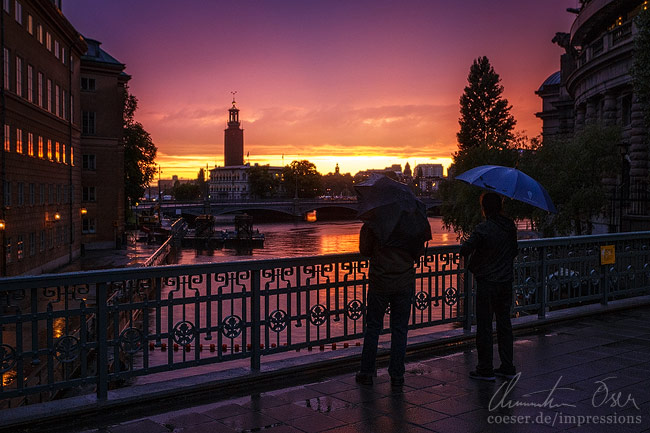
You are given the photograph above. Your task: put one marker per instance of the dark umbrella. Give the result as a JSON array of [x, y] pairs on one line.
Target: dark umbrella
[[509, 182], [395, 215]]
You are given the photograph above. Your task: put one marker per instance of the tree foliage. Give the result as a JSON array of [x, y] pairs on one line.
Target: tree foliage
[[486, 137], [304, 176], [641, 68], [485, 115], [572, 171], [186, 191], [261, 181], [139, 152], [337, 184]]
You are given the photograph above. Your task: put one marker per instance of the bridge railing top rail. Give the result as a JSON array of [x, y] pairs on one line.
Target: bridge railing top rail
[[102, 276]]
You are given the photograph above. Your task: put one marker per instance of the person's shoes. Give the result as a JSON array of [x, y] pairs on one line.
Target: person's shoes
[[482, 376], [397, 380], [508, 374], [363, 378]]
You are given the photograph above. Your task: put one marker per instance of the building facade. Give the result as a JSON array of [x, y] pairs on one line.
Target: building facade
[[593, 85], [103, 89], [40, 166]]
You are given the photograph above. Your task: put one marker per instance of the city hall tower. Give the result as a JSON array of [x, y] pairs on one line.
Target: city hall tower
[[233, 144]]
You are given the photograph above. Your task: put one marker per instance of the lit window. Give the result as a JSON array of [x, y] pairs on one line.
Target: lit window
[[20, 248], [72, 156], [49, 149], [56, 151], [30, 144], [63, 159], [30, 24], [40, 33], [7, 138], [19, 140], [48, 41], [40, 147]]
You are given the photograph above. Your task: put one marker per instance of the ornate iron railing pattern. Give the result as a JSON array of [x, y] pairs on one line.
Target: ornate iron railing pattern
[[94, 329]]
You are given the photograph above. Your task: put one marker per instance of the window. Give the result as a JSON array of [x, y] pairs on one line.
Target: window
[[41, 246], [72, 109], [7, 138], [5, 5], [50, 188], [72, 156], [88, 84], [63, 55], [64, 105], [87, 225], [20, 247], [8, 250], [7, 193], [59, 193], [88, 193], [30, 83], [19, 140], [49, 95], [30, 24], [48, 41], [50, 238], [88, 122], [89, 162], [57, 49], [72, 194], [21, 194], [19, 12], [56, 151], [19, 76], [49, 149], [39, 89], [32, 243], [30, 144], [32, 194], [6, 68], [40, 147], [41, 193], [40, 33], [63, 156], [57, 100]]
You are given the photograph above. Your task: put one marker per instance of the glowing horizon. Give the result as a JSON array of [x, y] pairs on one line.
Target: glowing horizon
[[365, 84]]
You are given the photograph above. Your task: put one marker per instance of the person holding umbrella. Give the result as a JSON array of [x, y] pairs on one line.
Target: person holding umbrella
[[492, 248], [393, 236], [490, 251]]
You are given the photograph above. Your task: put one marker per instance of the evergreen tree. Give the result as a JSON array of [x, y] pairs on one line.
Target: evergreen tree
[[485, 114], [139, 152]]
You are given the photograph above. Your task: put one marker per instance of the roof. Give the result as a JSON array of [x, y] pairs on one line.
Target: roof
[[96, 54], [553, 79]]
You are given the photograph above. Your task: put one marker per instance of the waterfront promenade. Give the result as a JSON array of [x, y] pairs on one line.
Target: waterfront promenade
[[599, 366]]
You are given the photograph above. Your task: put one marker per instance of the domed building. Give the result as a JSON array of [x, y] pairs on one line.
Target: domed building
[[594, 86]]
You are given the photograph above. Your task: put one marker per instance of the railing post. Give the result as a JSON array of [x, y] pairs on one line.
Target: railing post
[[605, 284], [468, 300], [541, 314], [255, 320], [102, 343]]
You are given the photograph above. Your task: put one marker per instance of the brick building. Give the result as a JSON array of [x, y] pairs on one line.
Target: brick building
[[40, 165], [103, 89]]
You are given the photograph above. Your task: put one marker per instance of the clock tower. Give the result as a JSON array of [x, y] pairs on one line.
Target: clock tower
[[233, 144]]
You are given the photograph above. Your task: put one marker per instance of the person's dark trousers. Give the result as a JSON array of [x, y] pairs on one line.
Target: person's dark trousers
[[400, 309], [493, 299]]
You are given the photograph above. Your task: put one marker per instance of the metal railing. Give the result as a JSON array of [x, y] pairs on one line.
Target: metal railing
[[91, 330]]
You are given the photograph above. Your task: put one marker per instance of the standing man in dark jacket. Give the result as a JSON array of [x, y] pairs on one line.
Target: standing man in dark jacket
[[391, 282], [492, 248]]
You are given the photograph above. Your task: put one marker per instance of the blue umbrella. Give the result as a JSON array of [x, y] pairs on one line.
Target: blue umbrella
[[509, 182]]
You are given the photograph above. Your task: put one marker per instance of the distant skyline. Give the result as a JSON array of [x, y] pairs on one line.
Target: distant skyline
[[361, 83]]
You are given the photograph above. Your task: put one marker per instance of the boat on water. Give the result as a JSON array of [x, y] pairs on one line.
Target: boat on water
[[205, 235]]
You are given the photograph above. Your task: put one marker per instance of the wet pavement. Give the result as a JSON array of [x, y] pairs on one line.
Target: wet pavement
[[587, 375]]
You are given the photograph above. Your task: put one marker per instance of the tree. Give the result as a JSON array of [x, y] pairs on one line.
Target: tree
[[641, 68], [202, 182], [261, 181], [186, 191], [337, 184], [485, 114], [572, 171], [486, 137], [139, 152], [304, 176]]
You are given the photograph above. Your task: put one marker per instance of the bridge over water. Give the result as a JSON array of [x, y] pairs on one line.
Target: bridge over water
[[294, 207]]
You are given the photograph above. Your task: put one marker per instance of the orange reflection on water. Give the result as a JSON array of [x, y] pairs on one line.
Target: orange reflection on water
[[339, 243]]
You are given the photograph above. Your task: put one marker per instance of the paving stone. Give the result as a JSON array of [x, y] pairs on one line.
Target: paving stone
[[249, 421], [315, 423], [331, 387], [287, 411], [266, 401], [208, 427], [141, 426], [226, 411], [325, 404], [188, 419], [452, 406]]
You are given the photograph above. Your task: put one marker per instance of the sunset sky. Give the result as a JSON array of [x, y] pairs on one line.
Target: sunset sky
[[361, 83]]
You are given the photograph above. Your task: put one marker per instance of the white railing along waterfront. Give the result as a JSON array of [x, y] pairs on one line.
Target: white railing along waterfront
[[91, 330]]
